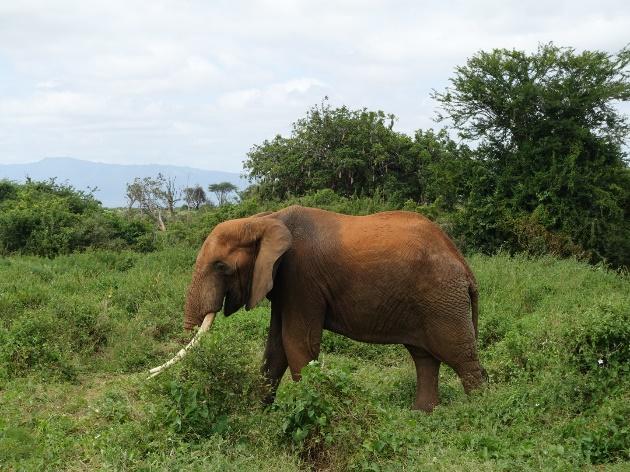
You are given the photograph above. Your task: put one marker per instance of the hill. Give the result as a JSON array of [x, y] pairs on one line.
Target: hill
[[111, 179]]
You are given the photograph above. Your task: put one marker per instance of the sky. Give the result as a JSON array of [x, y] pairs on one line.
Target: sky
[[198, 83]]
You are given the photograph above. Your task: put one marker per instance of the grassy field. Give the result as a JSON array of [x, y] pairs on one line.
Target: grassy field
[[78, 333]]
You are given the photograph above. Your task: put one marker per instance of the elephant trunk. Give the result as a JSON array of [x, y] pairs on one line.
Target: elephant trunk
[[205, 295]]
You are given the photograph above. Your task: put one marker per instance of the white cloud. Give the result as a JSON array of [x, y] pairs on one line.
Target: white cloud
[[287, 94], [200, 82]]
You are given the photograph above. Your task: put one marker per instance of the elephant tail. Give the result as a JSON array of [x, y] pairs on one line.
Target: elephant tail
[[474, 306]]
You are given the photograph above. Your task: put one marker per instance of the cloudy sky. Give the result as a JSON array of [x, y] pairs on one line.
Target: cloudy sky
[[199, 82]]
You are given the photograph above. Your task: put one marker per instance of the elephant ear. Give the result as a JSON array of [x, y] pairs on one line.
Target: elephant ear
[[273, 239]]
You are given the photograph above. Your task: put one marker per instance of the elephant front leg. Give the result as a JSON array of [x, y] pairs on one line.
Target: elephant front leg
[[275, 359], [301, 338]]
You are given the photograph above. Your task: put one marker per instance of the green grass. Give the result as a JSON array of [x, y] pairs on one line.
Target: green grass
[[78, 333]]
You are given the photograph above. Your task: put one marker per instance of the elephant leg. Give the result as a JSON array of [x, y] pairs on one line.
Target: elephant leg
[[427, 372], [301, 338], [458, 350], [466, 364], [275, 359], [450, 336]]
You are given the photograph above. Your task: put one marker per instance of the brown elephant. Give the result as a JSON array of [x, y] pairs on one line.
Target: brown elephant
[[391, 277]]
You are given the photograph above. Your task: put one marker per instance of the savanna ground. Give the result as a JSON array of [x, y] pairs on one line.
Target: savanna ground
[[79, 332]]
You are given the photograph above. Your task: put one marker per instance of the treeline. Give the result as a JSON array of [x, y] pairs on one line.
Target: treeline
[[48, 218], [531, 160], [154, 196], [539, 165]]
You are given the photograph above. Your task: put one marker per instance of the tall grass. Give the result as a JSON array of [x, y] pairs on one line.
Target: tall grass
[[78, 333]]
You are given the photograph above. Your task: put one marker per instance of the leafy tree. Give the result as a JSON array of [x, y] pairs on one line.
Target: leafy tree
[[195, 196], [222, 191], [150, 195], [356, 152], [444, 171], [549, 146], [327, 149]]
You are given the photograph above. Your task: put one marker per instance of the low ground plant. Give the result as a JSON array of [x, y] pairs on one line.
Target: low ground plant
[[79, 332]]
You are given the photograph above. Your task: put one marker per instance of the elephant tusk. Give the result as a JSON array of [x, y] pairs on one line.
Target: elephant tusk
[[205, 326]]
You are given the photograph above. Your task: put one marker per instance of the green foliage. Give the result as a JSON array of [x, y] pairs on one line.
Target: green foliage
[[31, 345], [191, 413], [550, 150], [48, 219], [600, 350], [79, 332], [309, 407], [357, 152]]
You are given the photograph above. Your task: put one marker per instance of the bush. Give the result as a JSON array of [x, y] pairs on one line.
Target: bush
[[599, 347], [191, 412], [314, 409], [32, 345], [48, 219]]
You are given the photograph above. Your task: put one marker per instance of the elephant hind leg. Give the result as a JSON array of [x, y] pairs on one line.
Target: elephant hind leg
[[450, 337], [464, 360], [427, 372]]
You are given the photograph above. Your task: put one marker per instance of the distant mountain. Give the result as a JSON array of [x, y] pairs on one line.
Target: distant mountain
[[111, 179]]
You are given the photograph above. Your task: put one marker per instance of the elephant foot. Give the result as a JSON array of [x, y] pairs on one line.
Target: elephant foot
[[425, 405], [474, 380]]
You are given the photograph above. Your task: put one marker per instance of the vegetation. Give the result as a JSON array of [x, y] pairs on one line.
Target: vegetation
[[540, 173], [79, 332], [47, 219], [541, 170], [549, 155], [357, 153], [195, 197], [222, 191]]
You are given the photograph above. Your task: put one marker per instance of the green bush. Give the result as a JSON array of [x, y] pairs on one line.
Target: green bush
[[191, 412], [599, 346], [32, 345], [316, 410], [48, 219]]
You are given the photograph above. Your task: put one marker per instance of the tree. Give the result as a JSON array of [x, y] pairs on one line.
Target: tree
[[349, 151], [353, 152], [222, 191], [169, 193], [549, 144], [148, 194], [195, 196]]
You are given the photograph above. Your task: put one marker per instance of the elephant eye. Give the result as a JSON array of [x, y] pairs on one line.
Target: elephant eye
[[220, 266]]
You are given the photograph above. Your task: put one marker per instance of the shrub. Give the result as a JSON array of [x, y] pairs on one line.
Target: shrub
[[32, 344], [599, 347], [48, 219], [313, 407]]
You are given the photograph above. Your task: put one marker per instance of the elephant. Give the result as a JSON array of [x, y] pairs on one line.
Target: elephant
[[392, 278]]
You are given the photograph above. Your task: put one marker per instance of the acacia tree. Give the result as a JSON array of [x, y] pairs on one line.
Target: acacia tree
[[195, 196], [222, 191], [550, 144]]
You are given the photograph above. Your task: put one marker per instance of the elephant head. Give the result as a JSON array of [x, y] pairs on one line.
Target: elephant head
[[235, 267]]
